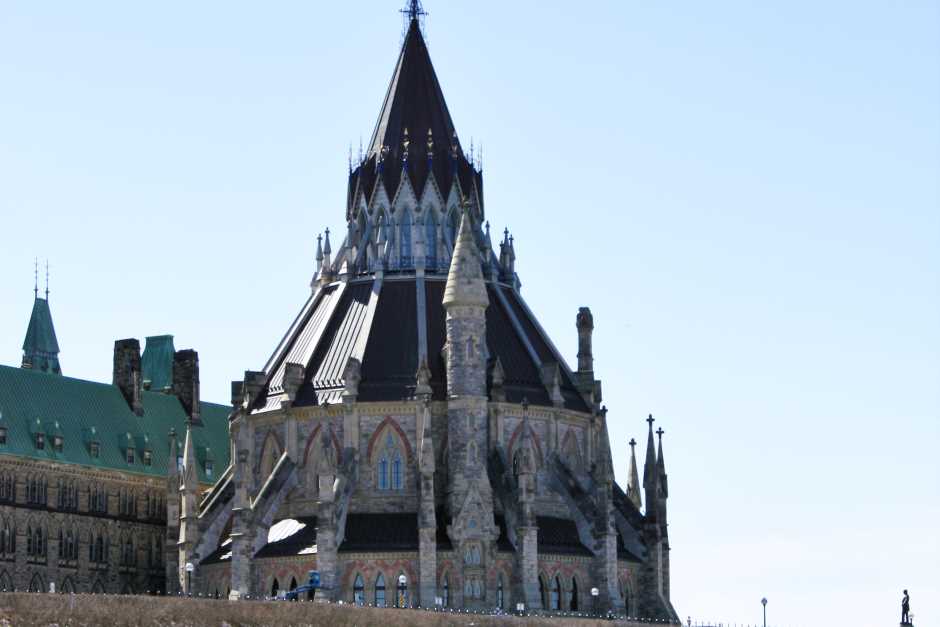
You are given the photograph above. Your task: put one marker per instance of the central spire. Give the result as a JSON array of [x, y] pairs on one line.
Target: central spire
[[414, 138]]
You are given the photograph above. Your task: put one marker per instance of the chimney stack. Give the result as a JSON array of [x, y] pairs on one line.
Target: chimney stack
[[186, 383], [126, 373]]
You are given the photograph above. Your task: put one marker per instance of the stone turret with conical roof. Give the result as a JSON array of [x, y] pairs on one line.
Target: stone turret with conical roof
[[41, 348]]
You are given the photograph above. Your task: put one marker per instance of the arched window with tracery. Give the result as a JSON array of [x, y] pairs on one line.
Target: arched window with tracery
[[390, 465]]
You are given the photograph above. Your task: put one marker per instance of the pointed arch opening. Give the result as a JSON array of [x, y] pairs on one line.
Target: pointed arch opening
[[388, 453], [405, 253], [37, 584], [6, 583], [401, 598], [359, 591], [573, 602], [430, 238], [275, 588], [380, 590], [555, 596]]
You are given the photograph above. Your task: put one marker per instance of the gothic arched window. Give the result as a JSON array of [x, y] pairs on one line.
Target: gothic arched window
[[389, 468], [359, 597], [430, 236], [573, 602], [380, 590], [555, 599], [404, 241], [453, 221]]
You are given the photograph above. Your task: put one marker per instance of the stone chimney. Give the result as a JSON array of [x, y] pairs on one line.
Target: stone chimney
[[126, 373], [186, 383]]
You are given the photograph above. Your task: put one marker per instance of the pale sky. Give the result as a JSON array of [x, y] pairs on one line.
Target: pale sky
[[745, 193]]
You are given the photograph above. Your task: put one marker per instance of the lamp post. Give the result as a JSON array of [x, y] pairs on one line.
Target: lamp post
[[594, 593], [189, 577], [764, 603]]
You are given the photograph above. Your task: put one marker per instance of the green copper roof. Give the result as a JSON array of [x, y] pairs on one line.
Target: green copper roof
[[156, 364], [40, 348], [82, 412]]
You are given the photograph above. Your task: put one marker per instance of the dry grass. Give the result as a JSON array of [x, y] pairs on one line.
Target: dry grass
[[21, 609]]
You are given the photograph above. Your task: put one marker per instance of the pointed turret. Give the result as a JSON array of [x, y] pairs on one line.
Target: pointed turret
[[661, 468], [465, 284], [414, 101], [41, 348], [633, 479], [649, 472]]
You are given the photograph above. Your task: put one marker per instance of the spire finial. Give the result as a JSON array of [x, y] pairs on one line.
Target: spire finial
[[47, 279], [651, 420], [660, 433], [35, 277], [414, 10], [632, 443]]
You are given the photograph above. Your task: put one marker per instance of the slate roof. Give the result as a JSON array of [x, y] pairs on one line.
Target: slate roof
[[330, 326], [559, 536], [380, 532], [40, 347], [83, 411], [414, 101]]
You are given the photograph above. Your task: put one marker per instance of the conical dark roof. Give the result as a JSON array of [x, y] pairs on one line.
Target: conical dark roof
[[414, 102], [40, 348]]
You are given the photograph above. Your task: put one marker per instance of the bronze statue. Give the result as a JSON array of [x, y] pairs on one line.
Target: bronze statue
[[905, 609]]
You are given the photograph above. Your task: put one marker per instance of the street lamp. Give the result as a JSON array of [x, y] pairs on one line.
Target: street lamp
[[189, 577], [594, 593], [764, 603]]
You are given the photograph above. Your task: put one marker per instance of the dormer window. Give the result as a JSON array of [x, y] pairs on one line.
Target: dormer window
[[40, 441], [94, 449], [148, 458], [58, 443], [130, 455]]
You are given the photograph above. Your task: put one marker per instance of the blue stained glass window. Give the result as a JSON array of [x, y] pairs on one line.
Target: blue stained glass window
[[383, 474], [396, 473]]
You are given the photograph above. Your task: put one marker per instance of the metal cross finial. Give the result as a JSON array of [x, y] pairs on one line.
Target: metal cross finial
[[660, 433], [632, 442], [414, 10]]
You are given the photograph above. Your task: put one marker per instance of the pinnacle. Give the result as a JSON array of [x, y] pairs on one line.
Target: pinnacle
[[465, 285]]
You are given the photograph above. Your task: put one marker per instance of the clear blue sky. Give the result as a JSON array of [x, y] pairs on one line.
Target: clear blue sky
[[746, 194]]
